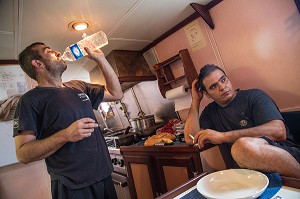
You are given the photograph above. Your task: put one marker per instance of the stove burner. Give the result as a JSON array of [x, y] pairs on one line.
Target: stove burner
[[110, 143], [121, 137]]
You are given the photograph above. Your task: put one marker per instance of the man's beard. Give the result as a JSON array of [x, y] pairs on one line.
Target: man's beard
[[55, 68]]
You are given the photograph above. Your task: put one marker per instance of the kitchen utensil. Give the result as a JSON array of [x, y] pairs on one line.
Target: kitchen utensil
[[135, 124], [179, 128], [142, 123], [118, 139], [127, 130], [147, 121]]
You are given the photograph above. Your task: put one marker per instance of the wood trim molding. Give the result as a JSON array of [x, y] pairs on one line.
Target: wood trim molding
[[182, 188], [212, 4], [171, 31], [9, 62], [203, 12], [180, 25], [136, 78]]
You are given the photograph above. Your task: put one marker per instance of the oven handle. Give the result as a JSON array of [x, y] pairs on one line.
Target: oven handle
[[119, 179], [118, 183]]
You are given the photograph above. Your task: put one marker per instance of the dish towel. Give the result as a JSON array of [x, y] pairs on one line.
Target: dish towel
[[275, 184]]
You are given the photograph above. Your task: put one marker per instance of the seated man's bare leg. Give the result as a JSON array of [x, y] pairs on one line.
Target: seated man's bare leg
[[258, 154]]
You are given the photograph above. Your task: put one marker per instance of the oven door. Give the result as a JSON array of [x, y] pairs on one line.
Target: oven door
[[121, 186]]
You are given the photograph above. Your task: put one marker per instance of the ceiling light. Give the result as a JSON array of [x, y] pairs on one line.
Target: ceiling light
[[79, 25]]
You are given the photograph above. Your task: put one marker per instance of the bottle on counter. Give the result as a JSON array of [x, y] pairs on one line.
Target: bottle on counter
[[76, 51]]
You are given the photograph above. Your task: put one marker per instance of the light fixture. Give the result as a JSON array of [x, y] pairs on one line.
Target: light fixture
[[79, 25]]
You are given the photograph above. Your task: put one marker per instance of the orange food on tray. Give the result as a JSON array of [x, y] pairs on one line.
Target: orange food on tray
[[162, 137]]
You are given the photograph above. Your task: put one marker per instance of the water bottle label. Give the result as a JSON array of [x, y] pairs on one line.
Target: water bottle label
[[76, 51]]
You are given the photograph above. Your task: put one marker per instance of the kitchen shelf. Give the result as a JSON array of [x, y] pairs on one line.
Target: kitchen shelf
[[165, 76], [174, 80]]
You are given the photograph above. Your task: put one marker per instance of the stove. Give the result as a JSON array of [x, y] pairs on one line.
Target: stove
[[119, 175], [115, 139], [122, 137], [117, 160]]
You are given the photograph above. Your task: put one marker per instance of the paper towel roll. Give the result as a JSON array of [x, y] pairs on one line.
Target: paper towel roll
[[181, 97], [177, 92]]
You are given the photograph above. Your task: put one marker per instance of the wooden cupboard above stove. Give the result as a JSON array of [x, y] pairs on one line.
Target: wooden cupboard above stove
[[153, 171]]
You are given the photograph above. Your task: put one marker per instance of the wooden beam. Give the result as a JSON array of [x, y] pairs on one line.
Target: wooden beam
[[137, 78], [171, 31], [9, 62], [180, 25], [203, 12], [212, 4]]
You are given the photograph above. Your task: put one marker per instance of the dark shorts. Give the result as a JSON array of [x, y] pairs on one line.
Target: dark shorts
[[293, 150], [100, 190]]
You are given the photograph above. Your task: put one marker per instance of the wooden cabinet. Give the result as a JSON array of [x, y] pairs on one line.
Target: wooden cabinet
[[153, 171], [165, 76]]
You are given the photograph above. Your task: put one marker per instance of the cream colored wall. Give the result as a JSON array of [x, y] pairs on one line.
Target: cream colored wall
[[29, 181], [256, 42]]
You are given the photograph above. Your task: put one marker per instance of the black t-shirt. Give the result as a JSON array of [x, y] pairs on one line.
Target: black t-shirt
[[47, 110], [248, 109]]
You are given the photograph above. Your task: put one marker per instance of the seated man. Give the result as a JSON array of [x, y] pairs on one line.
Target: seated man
[[246, 121]]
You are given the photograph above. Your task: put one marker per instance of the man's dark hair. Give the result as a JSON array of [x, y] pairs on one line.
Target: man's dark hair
[[204, 72], [26, 56]]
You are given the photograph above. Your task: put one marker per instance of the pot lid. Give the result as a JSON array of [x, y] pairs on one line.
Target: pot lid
[[147, 116], [134, 119]]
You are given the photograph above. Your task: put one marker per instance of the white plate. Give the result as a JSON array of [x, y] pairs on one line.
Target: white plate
[[233, 184]]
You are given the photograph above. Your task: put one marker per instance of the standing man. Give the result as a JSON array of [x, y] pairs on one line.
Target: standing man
[[55, 121], [247, 122]]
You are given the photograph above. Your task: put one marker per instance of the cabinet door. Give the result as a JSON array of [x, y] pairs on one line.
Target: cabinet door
[[174, 171], [141, 177]]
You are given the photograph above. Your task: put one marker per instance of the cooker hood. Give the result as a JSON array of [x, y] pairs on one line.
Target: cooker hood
[[130, 66]]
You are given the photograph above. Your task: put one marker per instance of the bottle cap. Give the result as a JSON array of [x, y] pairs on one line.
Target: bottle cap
[[84, 35]]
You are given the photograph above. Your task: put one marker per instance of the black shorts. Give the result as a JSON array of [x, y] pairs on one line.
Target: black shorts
[[293, 150], [100, 190]]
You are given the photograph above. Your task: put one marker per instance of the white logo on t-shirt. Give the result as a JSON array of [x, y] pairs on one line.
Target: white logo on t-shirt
[[83, 97]]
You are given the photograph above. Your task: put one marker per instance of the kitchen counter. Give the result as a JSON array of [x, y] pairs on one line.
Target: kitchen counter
[[154, 167], [175, 144]]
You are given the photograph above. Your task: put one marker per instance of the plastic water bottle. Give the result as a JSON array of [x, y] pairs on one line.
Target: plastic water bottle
[[76, 51]]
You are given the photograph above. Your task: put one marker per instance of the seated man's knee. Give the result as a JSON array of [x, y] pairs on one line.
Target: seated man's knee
[[242, 147]]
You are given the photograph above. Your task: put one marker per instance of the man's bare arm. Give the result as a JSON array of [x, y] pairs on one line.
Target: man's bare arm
[[274, 130], [113, 88], [28, 149], [192, 125]]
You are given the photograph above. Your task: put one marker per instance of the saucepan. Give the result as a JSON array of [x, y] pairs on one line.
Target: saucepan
[[142, 123], [135, 124], [147, 121]]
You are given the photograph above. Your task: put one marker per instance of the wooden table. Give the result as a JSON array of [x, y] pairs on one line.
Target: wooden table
[[290, 186]]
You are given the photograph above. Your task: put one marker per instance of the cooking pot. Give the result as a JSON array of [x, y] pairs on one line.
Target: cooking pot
[[147, 121], [135, 123], [143, 122]]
